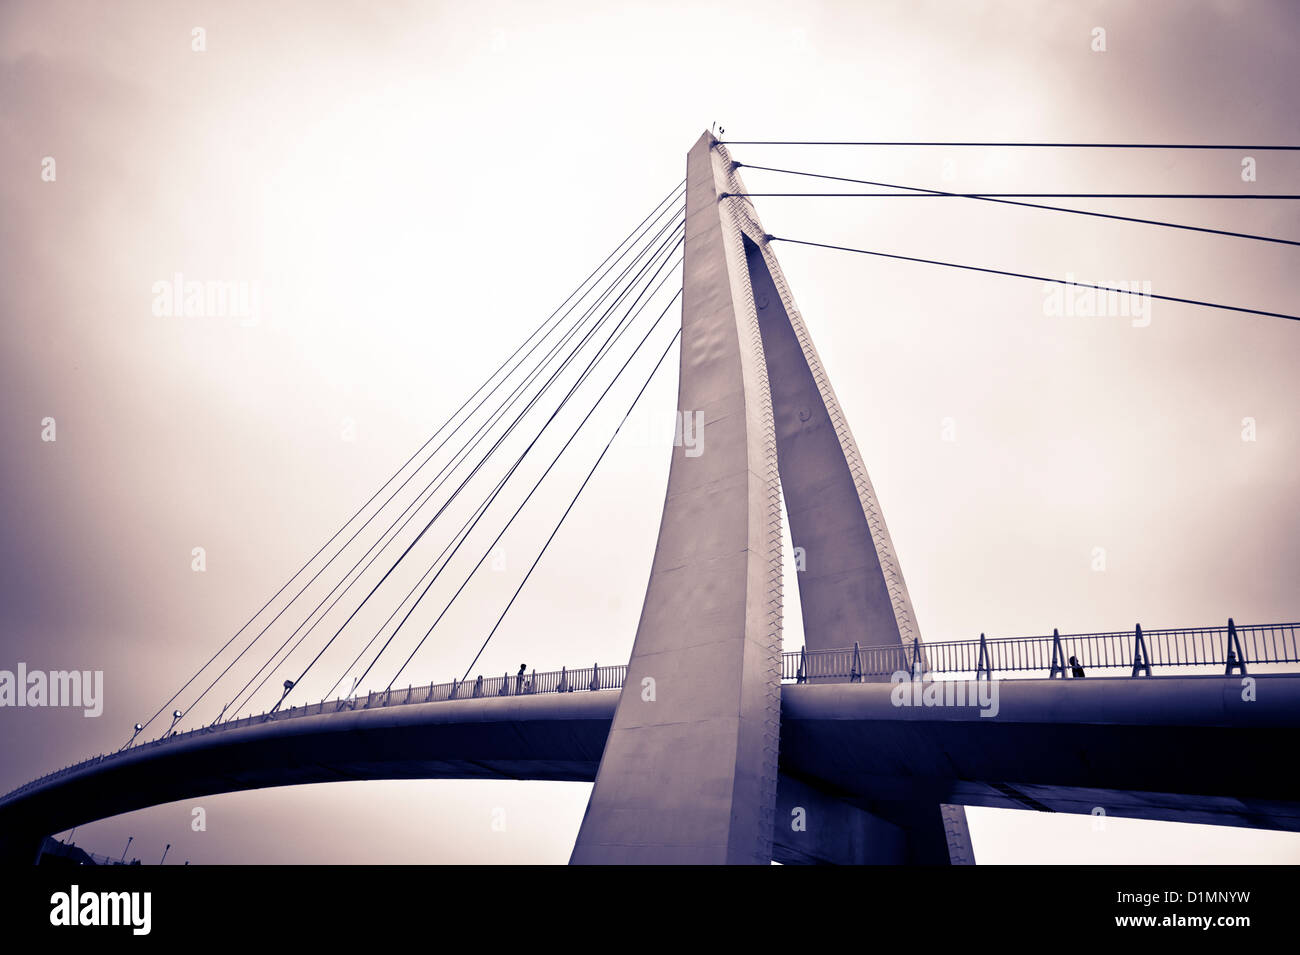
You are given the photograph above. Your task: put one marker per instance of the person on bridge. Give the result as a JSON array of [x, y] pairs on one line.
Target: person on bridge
[[1076, 668], [519, 680]]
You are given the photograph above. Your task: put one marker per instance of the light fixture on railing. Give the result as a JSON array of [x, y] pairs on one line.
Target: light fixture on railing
[[138, 727], [288, 685]]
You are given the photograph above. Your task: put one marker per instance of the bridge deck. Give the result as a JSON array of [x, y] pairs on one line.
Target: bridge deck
[[1275, 644], [1175, 748]]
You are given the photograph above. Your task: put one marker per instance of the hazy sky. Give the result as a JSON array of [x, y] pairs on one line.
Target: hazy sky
[[413, 187]]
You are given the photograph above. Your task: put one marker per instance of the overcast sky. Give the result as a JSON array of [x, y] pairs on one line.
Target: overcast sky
[[414, 187]]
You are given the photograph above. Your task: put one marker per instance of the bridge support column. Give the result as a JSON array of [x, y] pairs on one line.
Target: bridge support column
[[689, 772], [815, 827]]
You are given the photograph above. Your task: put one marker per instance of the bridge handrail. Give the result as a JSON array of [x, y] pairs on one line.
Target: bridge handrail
[[1274, 643], [1270, 643]]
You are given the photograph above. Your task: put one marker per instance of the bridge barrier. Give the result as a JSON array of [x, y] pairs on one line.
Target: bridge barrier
[[1274, 643], [1183, 647]]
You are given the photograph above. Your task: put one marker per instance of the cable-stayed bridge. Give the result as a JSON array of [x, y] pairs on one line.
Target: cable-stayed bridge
[[710, 744]]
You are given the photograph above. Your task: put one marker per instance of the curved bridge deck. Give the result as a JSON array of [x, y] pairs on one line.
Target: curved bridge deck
[[1186, 749]]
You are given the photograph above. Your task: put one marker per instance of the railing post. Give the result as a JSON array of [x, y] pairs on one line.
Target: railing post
[[855, 672], [983, 665], [1058, 657], [1236, 659], [1141, 663]]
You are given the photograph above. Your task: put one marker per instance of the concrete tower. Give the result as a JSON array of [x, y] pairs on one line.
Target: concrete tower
[[689, 773]]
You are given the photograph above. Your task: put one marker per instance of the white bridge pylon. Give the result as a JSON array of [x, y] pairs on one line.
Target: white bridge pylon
[[689, 772]]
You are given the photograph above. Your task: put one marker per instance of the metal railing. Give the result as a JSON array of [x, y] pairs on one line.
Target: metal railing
[[1230, 646], [1139, 651], [837, 666], [584, 678], [563, 680]]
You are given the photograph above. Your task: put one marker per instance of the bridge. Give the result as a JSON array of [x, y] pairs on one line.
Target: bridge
[[1078, 746], [711, 744]]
